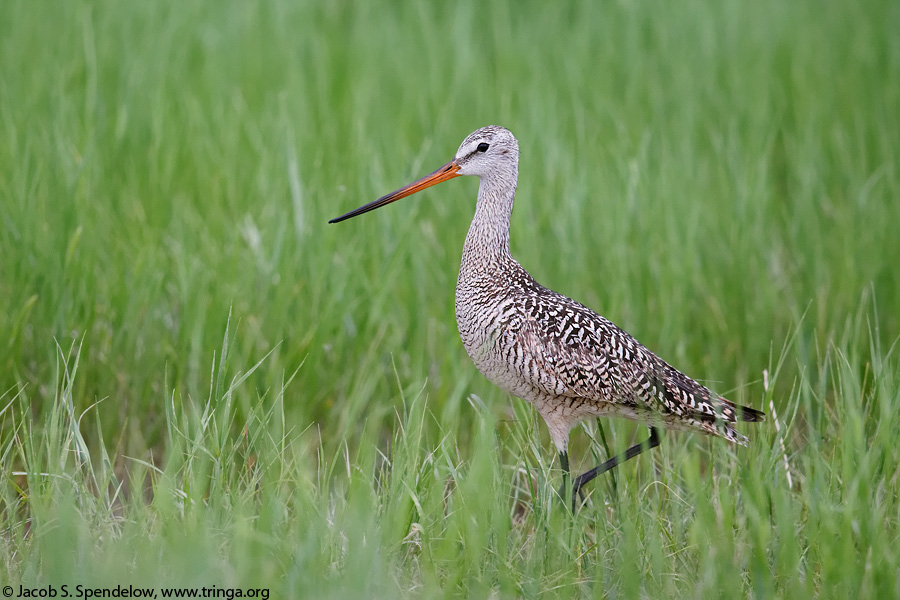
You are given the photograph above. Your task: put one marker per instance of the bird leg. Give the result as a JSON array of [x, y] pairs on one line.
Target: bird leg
[[584, 478], [564, 490], [564, 463]]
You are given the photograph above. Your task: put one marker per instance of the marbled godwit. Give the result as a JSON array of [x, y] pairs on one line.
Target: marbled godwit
[[559, 355]]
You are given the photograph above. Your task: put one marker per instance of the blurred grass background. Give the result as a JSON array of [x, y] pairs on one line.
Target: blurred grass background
[[720, 179]]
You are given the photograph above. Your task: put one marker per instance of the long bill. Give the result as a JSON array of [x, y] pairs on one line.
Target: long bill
[[448, 171]]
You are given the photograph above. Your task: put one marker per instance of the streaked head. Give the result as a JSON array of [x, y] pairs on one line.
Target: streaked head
[[487, 152]]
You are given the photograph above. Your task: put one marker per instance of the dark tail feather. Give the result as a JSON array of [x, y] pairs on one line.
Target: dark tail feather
[[745, 413]]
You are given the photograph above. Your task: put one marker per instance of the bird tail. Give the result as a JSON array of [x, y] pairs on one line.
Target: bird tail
[[741, 413], [745, 413]]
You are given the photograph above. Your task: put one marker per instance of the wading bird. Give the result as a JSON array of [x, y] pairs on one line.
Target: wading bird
[[559, 355]]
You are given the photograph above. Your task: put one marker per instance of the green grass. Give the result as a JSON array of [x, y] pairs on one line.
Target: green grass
[[202, 383]]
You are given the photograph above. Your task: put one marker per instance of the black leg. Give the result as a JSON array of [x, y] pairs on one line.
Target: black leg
[[565, 489], [584, 478], [564, 463]]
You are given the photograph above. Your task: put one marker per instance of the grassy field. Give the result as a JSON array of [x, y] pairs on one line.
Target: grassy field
[[203, 384]]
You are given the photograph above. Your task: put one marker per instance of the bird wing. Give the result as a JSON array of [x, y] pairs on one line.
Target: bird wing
[[591, 357], [565, 349], [578, 365]]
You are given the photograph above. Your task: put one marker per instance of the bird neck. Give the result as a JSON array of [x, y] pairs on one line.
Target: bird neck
[[488, 237]]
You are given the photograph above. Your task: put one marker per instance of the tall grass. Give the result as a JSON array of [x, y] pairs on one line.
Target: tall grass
[[202, 383]]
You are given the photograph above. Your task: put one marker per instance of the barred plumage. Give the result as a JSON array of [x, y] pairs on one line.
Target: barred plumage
[[561, 356]]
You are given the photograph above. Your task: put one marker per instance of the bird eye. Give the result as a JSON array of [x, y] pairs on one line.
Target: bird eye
[[482, 147]]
